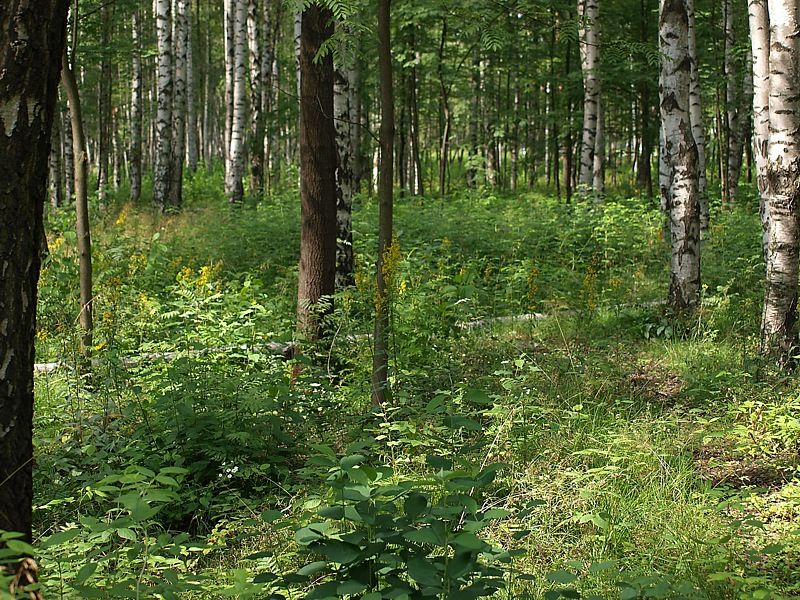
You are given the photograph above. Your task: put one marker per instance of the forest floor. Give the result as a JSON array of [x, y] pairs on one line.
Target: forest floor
[[611, 449]]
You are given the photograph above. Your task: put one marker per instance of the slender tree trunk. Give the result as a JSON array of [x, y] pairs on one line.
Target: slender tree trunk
[[380, 356], [444, 145], [31, 44], [179, 43], [192, 147], [81, 205], [599, 158], [589, 11], [732, 101], [208, 157], [760, 36], [779, 321], [680, 155], [69, 157], [104, 111], [230, 68], [135, 152], [256, 134], [416, 161], [56, 189], [696, 117], [474, 120], [162, 175], [344, 118], [318, 184], [233, 177]]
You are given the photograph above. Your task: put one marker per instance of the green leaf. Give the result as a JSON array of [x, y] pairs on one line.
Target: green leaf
[[338, 551], [20, 547], [270, 516], [372, 596], [331, 512], [312, 568], [350, 587], [85, 572], [307, 535], [424, 572], [415, 504], [458, 422], [564, 577], [439, 462], [469, 540], [167, 480], [126, 534], [60, 537], [628, 594], [426, 535], [265, 578], [461, 564], [602, 566], [348, 462], [478, 397]]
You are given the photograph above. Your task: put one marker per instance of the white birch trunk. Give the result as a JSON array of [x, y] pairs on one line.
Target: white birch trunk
[[135, 150], [759, 38], [679, 155], [255, 140], [589, 11], [733, 115], [192, 147], [344, 117], [179, 43], [163, 158], [233, 176], [599, 170], [696, 116], [779, 320], [230, 43]]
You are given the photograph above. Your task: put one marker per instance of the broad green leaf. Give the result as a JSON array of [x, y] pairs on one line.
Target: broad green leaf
[[85, 572], [461, 564], [564, 577], [337, 551], [126, 534], [426, 535], [348, 462], [265, 578], [270, 515], [350, 587], [331, 512], [439, 462], [60, 537], [424, 572], [415, 504], [469, 540], [602, 566], [478, 397], [20, 547], [312, 568]]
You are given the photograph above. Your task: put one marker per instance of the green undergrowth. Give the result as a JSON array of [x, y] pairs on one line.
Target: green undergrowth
[[602, 447]]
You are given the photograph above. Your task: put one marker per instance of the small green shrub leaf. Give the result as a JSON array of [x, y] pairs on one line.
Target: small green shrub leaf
[[350, 587], [415, 504], [478, 397], [312, 568], [564, 577], [60, 537], [426, 535], [20, 547], [469, 540], [348, 462], [424, 572], [85, 572], [439, 462], [602, 566]]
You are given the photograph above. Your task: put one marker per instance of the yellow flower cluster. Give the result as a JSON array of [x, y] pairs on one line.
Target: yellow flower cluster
[[136, 263]]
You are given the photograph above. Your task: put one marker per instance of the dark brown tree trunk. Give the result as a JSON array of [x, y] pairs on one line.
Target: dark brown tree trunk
[[31, 44], [318, 183], [380, 356]]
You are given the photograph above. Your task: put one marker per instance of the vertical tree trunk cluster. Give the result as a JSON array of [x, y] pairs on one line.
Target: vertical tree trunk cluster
[[590, 163]]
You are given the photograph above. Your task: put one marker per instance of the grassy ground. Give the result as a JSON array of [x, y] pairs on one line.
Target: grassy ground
[[610, 447]]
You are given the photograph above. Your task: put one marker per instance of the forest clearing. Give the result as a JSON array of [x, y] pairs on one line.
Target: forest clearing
[[399, 300]]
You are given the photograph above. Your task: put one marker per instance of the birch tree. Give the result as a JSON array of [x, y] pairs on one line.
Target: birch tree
[[256, 133], [233, 176], [588, 12], [779, 320], [758, 17], [180, 41], [31, 45], [344, 119], [696, 117], [135, 149], [163, 158], [679, 154]]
